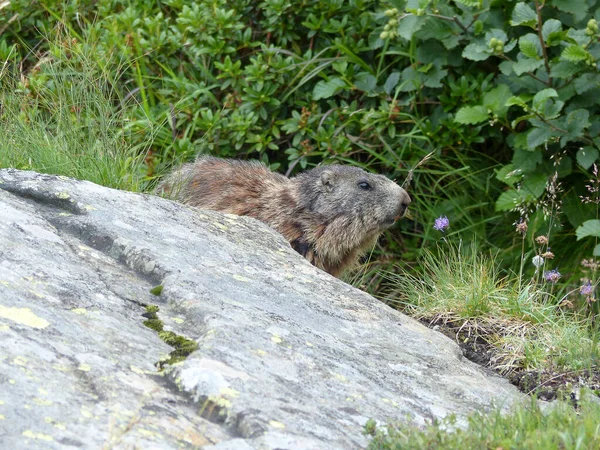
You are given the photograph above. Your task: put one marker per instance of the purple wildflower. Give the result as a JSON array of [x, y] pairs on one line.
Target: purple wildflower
[[441, 223], [552, 276], [587, 289]]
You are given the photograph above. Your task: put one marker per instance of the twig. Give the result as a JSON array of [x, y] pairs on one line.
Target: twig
[[538, 9]]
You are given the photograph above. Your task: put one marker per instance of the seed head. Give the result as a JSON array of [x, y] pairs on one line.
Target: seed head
[[548, 255], [521, 227], [542, 240], [537, 261]]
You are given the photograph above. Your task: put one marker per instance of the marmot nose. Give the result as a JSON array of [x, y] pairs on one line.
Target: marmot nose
[[403, 206]]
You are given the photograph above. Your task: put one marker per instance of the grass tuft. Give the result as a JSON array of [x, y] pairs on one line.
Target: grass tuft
[[525, 428], [70, 119]]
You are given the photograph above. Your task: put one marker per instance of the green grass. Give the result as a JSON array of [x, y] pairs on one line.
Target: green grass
[[525, 428], [70, 120], [523, 321]]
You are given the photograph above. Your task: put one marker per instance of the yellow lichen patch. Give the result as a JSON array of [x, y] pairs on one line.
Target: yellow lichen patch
[[353, 397], [259, 352], [42, 391], [80, 311], [276, 424], [4, 328], [42, 401], [86, 413], [61, 368], [148, 433], [309, 344], [137, 370], [241, 278], [2, 417], [11, 381], [90, 208], [84, 367], [229, 392], [39, 436], [55, 423], [1, 402], [221, 226], [177, 319], [23, 316], [64, 195], [276, 339], [389, 402], [19, 361], [37, 294], [220, 401], [340, 377], [4, 283]]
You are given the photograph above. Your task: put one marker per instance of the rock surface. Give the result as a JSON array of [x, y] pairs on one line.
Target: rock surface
[[289, 357]]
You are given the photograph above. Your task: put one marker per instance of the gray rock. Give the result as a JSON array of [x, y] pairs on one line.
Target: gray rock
[[289, 357]]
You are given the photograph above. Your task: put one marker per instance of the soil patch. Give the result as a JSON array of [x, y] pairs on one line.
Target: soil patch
[[547, 385]]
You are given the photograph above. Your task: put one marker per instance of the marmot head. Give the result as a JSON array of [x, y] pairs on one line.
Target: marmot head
[[371, 200]]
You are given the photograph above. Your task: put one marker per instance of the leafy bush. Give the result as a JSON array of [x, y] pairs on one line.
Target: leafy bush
[[502, 92]]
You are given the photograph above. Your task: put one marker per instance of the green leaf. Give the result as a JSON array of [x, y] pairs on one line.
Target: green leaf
[[470, 3], [326, 89], [539, 100], [435, 77], [579, 8], [575, 53], [391, 82], [472, 115], [527, 159], [588, 228], [538, 136], [586, 82], [497, 98], [528, 48], [510, 200], [520, 100], [535, 184], [526, 65], [476, 52], [409, 25], [506, 67], [596, 250], [586, 156], [564, 69], [411, 80], [551, 28], [365, 82], [575, 211], [509, 174], [575, 122], [523, 14]]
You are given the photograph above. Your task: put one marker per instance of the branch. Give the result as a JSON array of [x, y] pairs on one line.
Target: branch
[[538, 9], [451, 19]]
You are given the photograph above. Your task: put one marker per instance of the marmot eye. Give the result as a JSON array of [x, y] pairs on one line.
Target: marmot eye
[[364, 185]]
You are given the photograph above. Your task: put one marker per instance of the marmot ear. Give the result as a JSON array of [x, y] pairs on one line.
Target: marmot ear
[[327, 178]]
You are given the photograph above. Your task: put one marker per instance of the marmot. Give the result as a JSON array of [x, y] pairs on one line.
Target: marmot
[[329, 214]]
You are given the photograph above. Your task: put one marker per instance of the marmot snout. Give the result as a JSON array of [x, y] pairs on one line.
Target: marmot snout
[[329, 214]]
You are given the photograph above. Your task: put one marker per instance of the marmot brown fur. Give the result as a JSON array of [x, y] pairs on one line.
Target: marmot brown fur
[[329, 214]]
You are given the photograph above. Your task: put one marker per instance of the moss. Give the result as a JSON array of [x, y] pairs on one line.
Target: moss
[[182, 346], [152, 309], [154, 324], [157, 290]]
